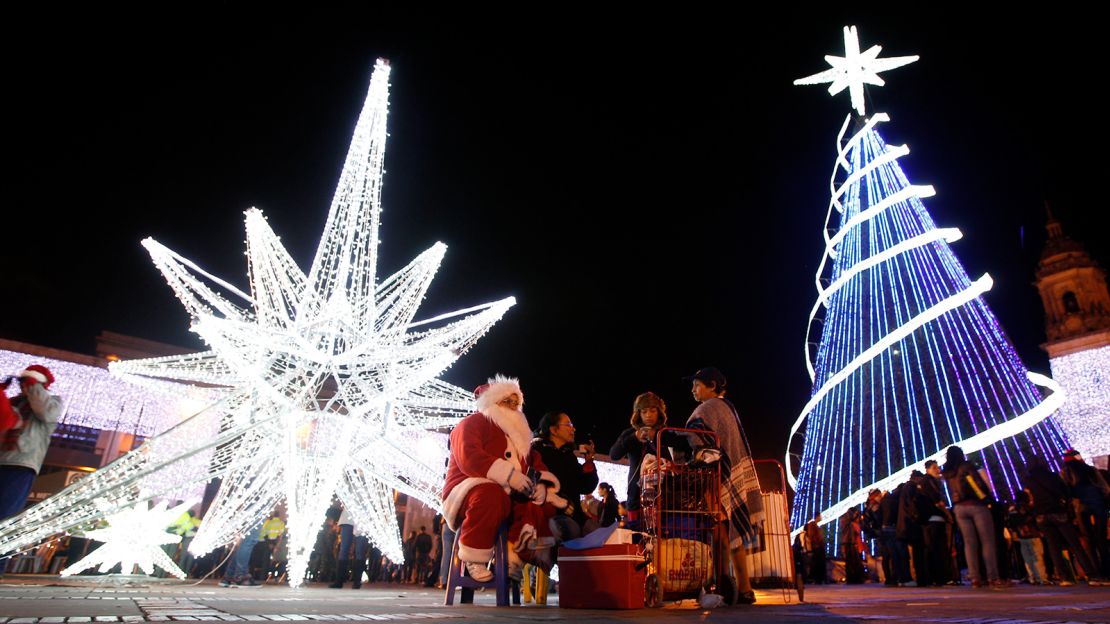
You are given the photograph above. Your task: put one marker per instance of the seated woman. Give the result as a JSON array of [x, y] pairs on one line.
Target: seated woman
[[554, 442]]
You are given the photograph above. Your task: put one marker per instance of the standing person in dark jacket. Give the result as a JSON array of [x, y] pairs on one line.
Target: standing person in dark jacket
[[1090, 494], [871, 521], [895, 556], [554, 442], [970, 496], [851, 546], [649, 415], [1048, 496], [936, 525], [815, 536], [913, 509]]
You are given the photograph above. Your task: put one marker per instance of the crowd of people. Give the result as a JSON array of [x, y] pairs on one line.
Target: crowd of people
[[1053, 533], [542, 487]]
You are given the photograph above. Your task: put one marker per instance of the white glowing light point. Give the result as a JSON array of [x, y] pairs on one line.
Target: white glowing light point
[[134, 537], [328, 385], [855, 69]]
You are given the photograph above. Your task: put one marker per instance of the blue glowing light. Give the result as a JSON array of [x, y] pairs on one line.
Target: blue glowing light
[[910, 359]]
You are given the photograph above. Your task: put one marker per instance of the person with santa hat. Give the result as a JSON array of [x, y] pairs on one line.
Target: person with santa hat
[[26, 423], [489, 483]]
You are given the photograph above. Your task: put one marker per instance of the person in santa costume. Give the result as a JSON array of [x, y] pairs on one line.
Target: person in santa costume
[[488, 482], [26, 423]]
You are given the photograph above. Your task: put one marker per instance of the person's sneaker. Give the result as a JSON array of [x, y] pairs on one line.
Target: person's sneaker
[[1065, 583], [226, 582], [1097, 582], [1000, 584], [746, 598], [910, 584], [479, 571], [976, 584], [247, 581]]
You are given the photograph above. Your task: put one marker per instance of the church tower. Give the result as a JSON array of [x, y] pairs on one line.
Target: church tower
[[1077, 322]]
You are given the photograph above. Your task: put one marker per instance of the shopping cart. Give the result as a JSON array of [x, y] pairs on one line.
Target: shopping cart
[[681, 514]]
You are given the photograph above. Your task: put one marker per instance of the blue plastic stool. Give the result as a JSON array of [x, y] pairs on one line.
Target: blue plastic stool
[[457, 578]]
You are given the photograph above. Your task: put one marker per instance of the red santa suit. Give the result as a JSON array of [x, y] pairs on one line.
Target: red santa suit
[[487, 481]]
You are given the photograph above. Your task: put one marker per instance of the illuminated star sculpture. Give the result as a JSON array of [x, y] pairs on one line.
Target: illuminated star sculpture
[[134, 537], [322, 385], [855, 69], [331, 383]]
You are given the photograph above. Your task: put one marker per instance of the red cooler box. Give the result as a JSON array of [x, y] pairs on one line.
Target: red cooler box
[[602, 578]]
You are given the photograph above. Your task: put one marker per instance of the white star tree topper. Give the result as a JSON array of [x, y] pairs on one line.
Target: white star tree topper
[[855, 69], [134, 537], [331, 385]]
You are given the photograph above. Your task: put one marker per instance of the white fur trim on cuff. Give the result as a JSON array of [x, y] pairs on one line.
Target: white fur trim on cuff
[[500, 472], [479, 555], [37, 376]]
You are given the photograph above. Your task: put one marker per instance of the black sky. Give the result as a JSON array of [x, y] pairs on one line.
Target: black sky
[[650, 187]]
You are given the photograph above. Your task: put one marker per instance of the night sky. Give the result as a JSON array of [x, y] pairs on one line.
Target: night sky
[[650, 187]]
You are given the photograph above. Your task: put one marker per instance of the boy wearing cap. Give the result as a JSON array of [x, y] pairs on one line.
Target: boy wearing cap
[[741, 499], [33, 415]]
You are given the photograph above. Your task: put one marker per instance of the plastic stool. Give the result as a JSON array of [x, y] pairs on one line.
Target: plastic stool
[[457, 578]]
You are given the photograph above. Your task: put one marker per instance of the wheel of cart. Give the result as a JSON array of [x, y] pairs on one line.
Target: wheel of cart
[[680, 512], [772, 566]]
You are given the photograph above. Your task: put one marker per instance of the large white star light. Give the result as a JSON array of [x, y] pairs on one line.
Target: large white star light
[[331, 384], [855, 69], [134, 537]]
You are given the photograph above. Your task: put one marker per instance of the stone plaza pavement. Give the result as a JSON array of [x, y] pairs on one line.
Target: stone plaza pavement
[[48, 600]]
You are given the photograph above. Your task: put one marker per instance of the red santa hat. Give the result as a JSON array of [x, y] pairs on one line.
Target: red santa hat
[[493, 391], [38, 373]]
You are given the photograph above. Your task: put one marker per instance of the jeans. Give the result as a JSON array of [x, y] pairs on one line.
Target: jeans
[[346, 538], [1032, 551], [240, 566], [447, 541], [977, 527], [15, 487]]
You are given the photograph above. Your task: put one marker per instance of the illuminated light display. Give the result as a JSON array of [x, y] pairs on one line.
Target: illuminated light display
[[328, 385], [1085, 417], [134, 537], [910, 359], [855, 69]]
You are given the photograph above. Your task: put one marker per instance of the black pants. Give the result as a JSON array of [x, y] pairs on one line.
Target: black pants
[[936, 552], [1058, 533]]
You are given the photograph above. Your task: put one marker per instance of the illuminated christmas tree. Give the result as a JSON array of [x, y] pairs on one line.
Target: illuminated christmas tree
[[910, 359]]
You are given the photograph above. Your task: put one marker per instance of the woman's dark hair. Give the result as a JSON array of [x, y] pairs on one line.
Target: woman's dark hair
[[607, 489], [953, 458], [549, 420]]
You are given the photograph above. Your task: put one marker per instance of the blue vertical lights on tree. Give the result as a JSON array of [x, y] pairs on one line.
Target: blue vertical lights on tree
[[910, 359]]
